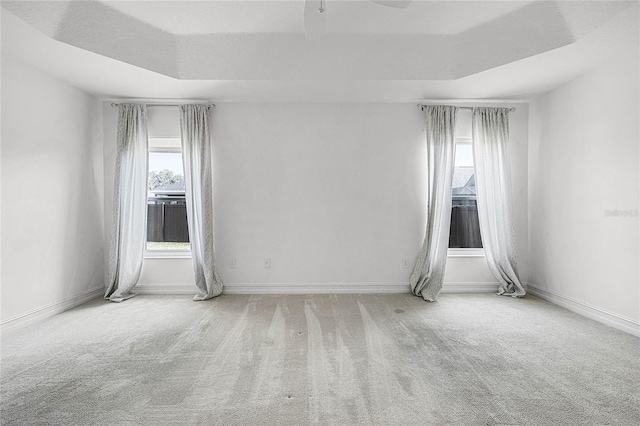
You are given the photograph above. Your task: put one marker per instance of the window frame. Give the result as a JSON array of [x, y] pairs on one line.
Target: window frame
[[465, 252], [156, 146]]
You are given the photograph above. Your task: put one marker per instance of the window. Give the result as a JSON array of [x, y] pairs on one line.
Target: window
[[465, 228], [167, 230]]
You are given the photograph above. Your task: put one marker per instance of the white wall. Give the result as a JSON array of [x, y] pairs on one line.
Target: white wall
[[333, 194], [584, 160], [52, 194]]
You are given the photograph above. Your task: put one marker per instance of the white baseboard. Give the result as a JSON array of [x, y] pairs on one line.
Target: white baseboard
[[39, 314], [314, 288], [470, 287], [616, 321], [182, 288]]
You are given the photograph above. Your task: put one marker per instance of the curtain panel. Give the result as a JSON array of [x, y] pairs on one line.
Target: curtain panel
[[196, 154], [493, 186], [128, 233], [428, 274]]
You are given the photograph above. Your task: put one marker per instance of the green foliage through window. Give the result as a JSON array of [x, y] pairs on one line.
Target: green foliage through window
[[163, 178]]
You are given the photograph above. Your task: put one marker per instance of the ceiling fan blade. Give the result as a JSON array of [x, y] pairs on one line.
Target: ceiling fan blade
[[315, 19], [398, 4]]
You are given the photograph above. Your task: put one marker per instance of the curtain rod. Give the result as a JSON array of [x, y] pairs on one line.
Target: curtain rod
[[470, 108], [114, 104]]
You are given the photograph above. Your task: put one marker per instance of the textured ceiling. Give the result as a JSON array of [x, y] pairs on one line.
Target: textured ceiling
[[343, 17], [242, 47]]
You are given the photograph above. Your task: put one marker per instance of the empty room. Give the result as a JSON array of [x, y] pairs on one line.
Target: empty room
[[320, 212]]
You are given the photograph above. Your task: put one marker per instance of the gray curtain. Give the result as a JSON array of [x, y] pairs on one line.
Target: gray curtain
[[493, 186], [129, 203], [428, 274], [196, 154]]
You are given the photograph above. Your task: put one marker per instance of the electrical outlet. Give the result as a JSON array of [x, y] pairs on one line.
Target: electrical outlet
[[267, 262], [232, 263], [405, 263]]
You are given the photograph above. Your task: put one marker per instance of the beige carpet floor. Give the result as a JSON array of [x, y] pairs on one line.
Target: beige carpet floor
[[475, 359]]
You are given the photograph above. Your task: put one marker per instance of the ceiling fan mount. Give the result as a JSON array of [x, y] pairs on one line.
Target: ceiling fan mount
[[315, 15]]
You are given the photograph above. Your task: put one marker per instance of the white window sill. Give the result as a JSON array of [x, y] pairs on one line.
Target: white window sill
[[465, 252], [167, 254]]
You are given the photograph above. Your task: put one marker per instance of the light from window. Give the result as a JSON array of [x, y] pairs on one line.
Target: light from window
[[465, 228], [167, 228]]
